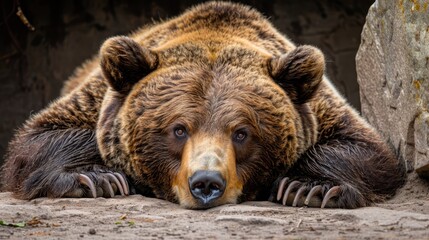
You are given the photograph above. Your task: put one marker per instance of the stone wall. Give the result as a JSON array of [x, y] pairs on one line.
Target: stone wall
[[33, 64], [393, 74]]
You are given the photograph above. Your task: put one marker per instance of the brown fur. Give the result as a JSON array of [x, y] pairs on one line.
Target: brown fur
[[216, 70]]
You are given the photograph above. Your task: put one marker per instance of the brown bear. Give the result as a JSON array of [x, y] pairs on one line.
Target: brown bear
[[212, 107]]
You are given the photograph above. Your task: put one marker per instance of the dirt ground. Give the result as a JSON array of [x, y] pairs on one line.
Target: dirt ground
[[137, 217]]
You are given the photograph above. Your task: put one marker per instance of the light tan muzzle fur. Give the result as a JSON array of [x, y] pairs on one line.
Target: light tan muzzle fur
[[206, 152]]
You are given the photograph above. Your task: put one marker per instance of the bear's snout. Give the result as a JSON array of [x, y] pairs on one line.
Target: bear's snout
[[206, 186], [207, 176]]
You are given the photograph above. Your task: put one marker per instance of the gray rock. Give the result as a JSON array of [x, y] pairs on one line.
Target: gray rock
[[393, 74]]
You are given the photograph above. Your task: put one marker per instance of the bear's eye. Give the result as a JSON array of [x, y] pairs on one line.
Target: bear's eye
[[240, 135], [180, 132]]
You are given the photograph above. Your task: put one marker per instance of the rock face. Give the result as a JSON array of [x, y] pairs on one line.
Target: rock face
[[393, 75]]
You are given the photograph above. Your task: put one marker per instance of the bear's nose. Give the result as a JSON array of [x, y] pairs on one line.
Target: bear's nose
[[206, 186]]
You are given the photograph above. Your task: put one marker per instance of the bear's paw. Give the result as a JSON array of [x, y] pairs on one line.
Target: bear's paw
[[106, 184], [313, 193]]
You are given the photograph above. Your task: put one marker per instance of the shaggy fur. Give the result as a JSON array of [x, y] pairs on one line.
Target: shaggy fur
[[245, 101]]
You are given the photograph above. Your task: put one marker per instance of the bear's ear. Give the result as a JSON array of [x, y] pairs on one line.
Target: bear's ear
[[124, 62], [299, 72]]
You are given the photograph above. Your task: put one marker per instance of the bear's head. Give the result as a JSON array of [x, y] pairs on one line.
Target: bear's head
[[204, 128]]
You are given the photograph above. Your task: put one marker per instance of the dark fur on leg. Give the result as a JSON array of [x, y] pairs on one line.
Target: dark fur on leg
[[46, 163], [365, 172]]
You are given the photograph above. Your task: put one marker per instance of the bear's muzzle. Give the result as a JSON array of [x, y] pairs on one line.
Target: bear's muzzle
[[207, 176]]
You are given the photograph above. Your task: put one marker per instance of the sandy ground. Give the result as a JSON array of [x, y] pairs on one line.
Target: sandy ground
[[404, 217]]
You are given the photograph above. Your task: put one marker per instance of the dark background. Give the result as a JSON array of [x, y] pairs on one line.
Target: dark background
[[34, 64]]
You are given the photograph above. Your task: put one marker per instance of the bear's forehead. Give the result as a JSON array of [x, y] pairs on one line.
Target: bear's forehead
[[202, 80], [214, 53], [212, 69], [224, 84], [201, 94]]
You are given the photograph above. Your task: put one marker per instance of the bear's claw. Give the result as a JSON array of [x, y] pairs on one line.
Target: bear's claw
[[292, 186], [124, 183], [333, 192], [108, 188], [113, 179], [83, 179], [106, 181], [314, 191], [296, 190]]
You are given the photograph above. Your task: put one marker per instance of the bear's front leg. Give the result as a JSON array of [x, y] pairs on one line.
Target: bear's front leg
[[341, 174], [59, 163]]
